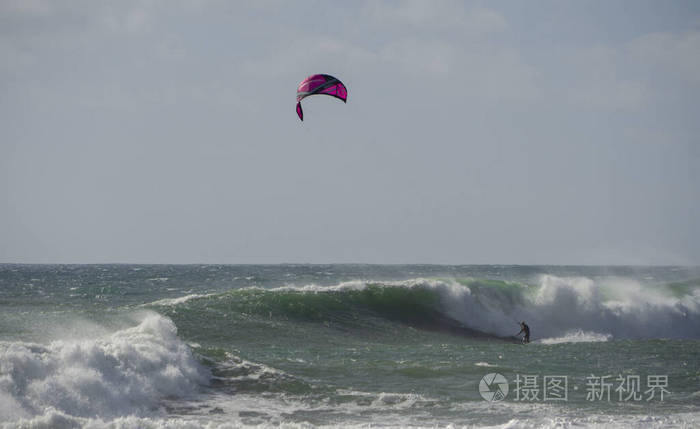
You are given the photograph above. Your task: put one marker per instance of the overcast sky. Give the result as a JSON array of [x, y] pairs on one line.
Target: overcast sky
[[527, 132]]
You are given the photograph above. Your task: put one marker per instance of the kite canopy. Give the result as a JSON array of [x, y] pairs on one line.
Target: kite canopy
[[320, 84]]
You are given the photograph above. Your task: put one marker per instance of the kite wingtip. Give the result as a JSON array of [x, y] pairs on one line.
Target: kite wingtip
[[300, 112]]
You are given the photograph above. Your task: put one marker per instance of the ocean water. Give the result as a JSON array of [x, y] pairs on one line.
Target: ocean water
[[190, 346]]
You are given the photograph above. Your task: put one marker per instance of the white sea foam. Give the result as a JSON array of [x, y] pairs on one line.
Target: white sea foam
[[382, 410], [57, 420], [352, 285], [176, 301], [246, 410], [577, 337], [681, 420], [125, 373]]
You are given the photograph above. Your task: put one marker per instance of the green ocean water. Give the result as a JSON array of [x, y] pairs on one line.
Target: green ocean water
[[348, 346]]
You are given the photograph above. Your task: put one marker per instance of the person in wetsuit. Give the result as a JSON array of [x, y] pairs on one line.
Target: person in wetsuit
[[524, 329]]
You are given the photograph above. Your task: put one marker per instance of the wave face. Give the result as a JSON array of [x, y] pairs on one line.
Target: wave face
[[557, 307], [126, 373]]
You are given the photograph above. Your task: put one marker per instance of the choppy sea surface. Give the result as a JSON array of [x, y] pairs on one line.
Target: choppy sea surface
[[189, 346]]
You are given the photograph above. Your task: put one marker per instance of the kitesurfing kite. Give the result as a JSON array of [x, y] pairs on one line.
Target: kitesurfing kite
[[320, 84]]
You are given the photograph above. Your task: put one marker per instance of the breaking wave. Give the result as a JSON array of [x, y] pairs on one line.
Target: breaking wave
[[562, 306], [560, 309], [129, 372]]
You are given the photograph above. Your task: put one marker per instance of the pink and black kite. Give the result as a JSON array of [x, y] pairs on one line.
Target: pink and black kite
[[320, 84]]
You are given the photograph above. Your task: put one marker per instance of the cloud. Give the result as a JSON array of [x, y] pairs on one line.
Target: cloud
[[133, 20], [675, 56], [420, 58], [441, 47], [307, 53], [632, 76], [599, 78], [435, 16], [25, 7], [444, 96]]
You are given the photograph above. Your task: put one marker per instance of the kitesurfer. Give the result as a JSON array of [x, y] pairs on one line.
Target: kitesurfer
[[526, 330]]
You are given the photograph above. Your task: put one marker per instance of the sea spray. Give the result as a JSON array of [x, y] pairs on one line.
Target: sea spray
[[577, 337], [127, 372]]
